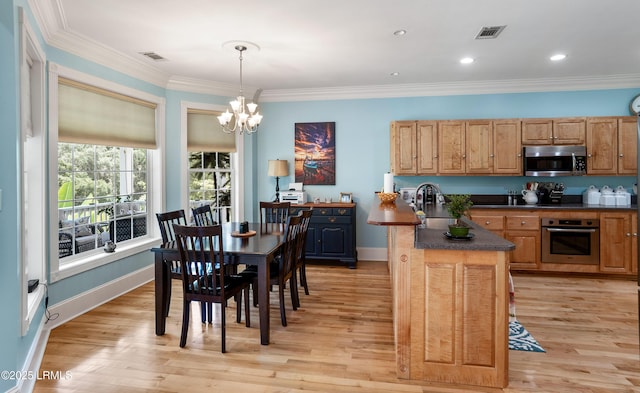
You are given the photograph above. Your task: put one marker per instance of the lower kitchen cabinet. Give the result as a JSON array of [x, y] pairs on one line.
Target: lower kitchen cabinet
[[524, 231], [332, 232], [618, 242]]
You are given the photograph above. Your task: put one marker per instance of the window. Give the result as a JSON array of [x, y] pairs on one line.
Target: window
[[210, 175], [102, 196], [212, 162], [105, 170], [32, 149]]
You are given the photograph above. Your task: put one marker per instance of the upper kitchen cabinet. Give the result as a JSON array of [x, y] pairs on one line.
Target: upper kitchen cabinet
[[611, 146], [561, 131], [627, 145], [414, 147], [507, 147], [451, 147], [479, 142]]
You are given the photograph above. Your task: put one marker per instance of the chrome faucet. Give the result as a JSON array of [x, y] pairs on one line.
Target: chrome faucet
[[421, 196]]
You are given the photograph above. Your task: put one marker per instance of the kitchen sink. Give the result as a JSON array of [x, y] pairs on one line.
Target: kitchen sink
[[438, 222]]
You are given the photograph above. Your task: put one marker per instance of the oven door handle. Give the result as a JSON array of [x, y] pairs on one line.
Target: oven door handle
[[566, 230]]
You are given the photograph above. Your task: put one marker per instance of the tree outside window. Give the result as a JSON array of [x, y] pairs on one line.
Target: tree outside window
[[210, 176]]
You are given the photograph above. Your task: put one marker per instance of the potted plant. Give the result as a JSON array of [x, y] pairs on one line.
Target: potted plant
[[458, 205]]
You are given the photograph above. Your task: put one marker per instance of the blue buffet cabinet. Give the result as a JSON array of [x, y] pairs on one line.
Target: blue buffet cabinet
[[332, 232]]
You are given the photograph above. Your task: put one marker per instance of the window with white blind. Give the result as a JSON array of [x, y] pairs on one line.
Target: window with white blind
[[210, 163], [104, 140]]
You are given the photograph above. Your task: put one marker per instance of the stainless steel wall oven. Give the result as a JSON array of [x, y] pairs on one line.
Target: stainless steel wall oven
[[570, 241]]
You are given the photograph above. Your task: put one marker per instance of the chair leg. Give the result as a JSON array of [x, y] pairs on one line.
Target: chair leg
[[238, 299], [166, 311], [223, 323], [254, 288], [203, 311], [303, 277], [186, 305], [295, 299], [210, 312], [247, 310], [283, 315]]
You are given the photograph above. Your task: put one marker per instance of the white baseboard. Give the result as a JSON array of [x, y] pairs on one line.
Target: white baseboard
[[70, 308], [372, 254]]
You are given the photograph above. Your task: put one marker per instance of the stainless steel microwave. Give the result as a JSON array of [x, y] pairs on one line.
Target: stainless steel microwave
[[555, 160]]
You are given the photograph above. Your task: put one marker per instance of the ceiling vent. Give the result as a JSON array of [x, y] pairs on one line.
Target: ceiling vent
[[489, 32], [153, 56]]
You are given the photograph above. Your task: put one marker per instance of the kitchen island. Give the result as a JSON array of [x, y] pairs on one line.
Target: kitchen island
[[450, 299]]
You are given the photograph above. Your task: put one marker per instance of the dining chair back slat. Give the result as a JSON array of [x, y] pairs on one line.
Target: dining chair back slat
[[203, 277], [203, 216], [273, 216]]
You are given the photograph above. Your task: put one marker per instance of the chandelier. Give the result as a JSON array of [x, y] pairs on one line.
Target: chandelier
[[243, 117]]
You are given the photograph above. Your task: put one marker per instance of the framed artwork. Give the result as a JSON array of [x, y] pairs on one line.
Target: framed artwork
[[346, 197], [315, 153]]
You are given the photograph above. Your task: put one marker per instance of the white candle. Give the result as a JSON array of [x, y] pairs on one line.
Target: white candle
[[388, 183]]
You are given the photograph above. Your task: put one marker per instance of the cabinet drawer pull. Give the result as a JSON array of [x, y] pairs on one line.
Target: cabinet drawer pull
[[342, 211], [523, 223], [487, 223], [332, 219]]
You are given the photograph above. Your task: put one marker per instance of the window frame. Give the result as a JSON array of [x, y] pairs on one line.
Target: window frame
[[82, 262], [32, 187], [237, 186]]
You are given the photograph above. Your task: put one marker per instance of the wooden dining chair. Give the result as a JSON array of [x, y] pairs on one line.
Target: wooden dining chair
[[301, 245], [201, 250], [282, 269], [166, 221], [203, 216], [273, 216]]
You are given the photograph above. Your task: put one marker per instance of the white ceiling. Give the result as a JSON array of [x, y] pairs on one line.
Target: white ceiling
[[333, 44]]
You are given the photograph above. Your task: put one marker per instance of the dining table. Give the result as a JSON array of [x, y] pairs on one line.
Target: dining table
[[257, 249]]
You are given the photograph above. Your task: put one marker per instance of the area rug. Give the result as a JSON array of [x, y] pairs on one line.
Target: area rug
[[521, 340]]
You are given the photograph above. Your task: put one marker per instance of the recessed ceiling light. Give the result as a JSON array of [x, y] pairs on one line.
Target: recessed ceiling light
[[394, 74], [400, 32], [558, 57], [467, 60]]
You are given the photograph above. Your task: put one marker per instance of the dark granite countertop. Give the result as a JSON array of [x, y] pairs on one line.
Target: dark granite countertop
[[563, 206], [483, 240]]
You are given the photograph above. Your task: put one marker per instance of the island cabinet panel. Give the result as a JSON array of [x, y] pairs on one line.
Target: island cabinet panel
[[459, 320]]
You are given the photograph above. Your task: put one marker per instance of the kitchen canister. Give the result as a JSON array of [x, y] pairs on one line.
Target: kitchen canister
[[623, 197], [591, 196], [607, 197]]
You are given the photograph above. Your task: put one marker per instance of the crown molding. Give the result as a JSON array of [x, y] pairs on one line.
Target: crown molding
[[454, 88], [193, 85], [52, 24], [50, 18]]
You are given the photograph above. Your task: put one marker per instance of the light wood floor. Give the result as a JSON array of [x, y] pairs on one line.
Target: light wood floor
[[341, 340]]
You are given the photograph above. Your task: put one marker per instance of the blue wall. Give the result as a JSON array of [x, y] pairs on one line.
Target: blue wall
[[362, 157]]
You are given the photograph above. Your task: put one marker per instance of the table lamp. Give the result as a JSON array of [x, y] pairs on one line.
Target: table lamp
[[278, 168]]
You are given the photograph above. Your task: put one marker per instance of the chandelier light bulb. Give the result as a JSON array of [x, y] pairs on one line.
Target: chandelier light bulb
[[246, 118]]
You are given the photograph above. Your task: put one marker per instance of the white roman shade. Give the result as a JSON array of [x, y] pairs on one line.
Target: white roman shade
[[204, 132], [91, 115]]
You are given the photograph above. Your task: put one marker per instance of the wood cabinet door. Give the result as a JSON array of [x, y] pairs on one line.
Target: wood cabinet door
[[479, 146], [427, 152], [570, 131], [451, 147], [615, 242], [507, 147], [602, 146], [634, 243], [526, 255], [537, 131], [627, 145], [403, 148]]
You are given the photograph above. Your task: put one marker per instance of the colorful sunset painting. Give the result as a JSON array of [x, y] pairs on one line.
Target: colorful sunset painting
[[315, 153]]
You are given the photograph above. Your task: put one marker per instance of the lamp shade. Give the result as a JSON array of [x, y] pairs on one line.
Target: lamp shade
[[278, 168]]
